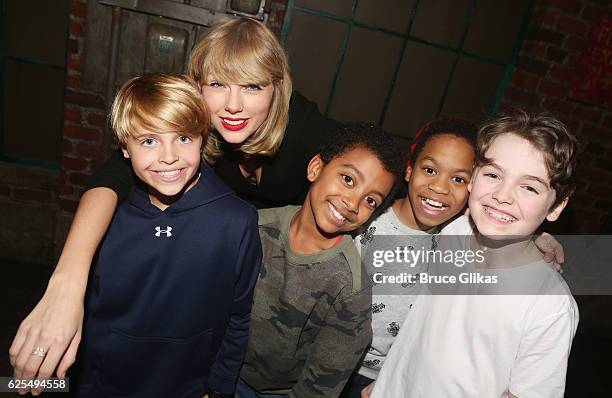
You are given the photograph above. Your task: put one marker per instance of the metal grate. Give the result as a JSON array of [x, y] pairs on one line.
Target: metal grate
[[458, 51]]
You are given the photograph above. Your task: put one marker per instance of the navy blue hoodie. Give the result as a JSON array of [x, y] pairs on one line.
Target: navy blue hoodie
[[170, 297]]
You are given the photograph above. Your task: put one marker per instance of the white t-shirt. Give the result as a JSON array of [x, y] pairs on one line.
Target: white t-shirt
[[484, 345], [459, 226]]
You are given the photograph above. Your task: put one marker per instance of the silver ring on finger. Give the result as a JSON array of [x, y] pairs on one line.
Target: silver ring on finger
[[39, 352]]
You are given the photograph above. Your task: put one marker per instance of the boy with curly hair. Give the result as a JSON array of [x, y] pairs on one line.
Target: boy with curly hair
[[311, 314]]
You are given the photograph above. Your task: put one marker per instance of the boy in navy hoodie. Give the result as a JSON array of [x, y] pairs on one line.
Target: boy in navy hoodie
[[170, 299]]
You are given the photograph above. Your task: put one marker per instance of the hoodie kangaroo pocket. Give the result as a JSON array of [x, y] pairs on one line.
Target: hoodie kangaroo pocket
[[153, 366]]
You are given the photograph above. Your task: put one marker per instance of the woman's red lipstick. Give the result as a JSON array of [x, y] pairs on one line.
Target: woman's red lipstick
[[232, 124]]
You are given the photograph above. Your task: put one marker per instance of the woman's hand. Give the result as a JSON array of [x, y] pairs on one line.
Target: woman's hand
[[552, 250], [54, 325], [365, 393], [51, 333]]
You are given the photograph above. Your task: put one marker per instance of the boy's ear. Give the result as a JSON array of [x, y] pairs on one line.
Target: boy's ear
[[126, 154], [554, 214], [408, 173], [314, 168]]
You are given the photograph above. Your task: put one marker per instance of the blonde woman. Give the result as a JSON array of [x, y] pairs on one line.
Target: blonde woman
[[263, 137]]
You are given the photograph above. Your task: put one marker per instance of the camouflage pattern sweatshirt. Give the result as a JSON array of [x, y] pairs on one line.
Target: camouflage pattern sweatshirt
[[310, 322]]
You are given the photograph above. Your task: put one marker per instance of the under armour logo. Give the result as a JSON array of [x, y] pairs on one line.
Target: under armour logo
[[166, 231]]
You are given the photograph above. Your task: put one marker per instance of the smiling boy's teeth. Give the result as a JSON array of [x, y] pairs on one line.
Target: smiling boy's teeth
[[499, 216], [432, 202], [336, 214], [173, 173], [233, 122]]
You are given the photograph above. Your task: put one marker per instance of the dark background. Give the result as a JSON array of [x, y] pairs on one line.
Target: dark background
[[54, 54]]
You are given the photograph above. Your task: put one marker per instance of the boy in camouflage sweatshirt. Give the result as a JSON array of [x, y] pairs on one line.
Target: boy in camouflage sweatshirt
[[310, 321]]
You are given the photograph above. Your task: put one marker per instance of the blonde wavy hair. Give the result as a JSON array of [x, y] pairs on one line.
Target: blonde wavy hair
[[159, 102], [244, 51]]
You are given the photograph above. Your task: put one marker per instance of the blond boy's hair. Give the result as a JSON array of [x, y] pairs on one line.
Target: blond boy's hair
[[160, 103], [244, 51], [548, 135]]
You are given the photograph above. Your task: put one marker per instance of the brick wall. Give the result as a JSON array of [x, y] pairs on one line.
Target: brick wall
[[558, 33], [84, 118]]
